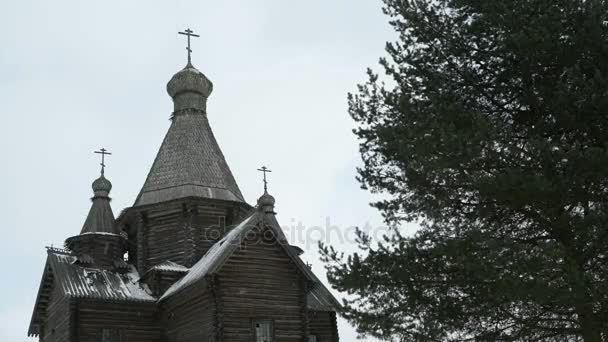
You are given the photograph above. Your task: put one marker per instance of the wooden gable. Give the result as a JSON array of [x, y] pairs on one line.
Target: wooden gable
[[260, 282], [51, 319]]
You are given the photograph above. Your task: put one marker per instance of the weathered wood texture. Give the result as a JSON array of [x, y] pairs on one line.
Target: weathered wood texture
[[259, 281], [104, 249], [323, 325], [57, 326], [140, 240], [189, 316], [181, 231], [135, 322], [160, 281]]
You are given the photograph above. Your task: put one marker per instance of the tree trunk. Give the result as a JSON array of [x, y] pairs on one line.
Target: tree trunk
[[584, 302]]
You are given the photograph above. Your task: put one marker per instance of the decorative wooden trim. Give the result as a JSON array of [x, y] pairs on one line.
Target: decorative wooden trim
[[73, 312], [141, 243], [188, 222], [305, 287], [218, 322], [334, 322]]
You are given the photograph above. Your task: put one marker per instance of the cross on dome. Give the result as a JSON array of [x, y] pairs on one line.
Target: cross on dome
[[103, 153], [189, 33], [264, 170]]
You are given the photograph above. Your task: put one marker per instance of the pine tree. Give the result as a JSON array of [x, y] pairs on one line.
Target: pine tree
[[490, 130]]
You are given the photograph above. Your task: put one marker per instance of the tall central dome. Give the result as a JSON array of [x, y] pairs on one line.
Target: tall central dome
[[189, 162]]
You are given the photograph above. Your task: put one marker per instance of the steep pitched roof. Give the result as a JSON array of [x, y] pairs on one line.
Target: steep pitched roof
[[189, 163], [100, 218], [319, 298]]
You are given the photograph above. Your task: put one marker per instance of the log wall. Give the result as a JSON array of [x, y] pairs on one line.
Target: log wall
[[134, 322], [180, 231], [323, 325], [159, 281], [165, 236], [259, 281], [189, 316], [57, 326]]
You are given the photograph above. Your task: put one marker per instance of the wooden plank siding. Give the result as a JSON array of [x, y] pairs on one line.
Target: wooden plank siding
[[323, 325], [158, 282], [57, 327], [135, 322], [181, 232], [165, 237], [259, 281], [189, 316], [104, 249]]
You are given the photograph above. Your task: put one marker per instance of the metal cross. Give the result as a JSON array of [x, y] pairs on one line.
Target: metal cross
[[188, 32], [264, 169], [103, 153]]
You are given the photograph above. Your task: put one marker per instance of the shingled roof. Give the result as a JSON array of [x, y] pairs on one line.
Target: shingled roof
[[189, 164], [100, 218]]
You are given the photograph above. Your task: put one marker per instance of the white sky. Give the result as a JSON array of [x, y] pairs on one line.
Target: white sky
[[79, 75]]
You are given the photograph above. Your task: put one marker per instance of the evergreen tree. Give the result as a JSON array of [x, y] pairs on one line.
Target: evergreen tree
[[491, 131]]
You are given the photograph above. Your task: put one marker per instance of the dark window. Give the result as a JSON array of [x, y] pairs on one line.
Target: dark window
[[312, 338], [108, 335], [263, 330]]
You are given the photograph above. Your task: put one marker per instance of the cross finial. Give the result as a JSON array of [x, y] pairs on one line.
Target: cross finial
[[103, 153], [188, 32], [264, 169]]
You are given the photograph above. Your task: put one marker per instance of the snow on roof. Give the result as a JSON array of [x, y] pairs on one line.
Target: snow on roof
[[84, 282], [318, 298], [101, 233], [169, 266]]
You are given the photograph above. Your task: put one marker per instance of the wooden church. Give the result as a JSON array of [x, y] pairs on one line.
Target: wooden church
[[191, 260]]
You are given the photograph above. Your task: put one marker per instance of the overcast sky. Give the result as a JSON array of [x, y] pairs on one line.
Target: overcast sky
[[79, 75]]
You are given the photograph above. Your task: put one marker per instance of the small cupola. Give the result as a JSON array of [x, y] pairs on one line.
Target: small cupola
[[266, 201], [99, 243], [100, 218], [189, 88]]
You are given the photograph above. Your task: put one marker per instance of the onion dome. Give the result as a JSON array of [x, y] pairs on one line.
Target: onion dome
[[266, 203], [101, 187], [189, 89], [99, 242], [100, 218]]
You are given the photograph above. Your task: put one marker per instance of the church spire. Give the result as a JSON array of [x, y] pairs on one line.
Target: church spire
[[99, 242], [100, 217], [190, 162]]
